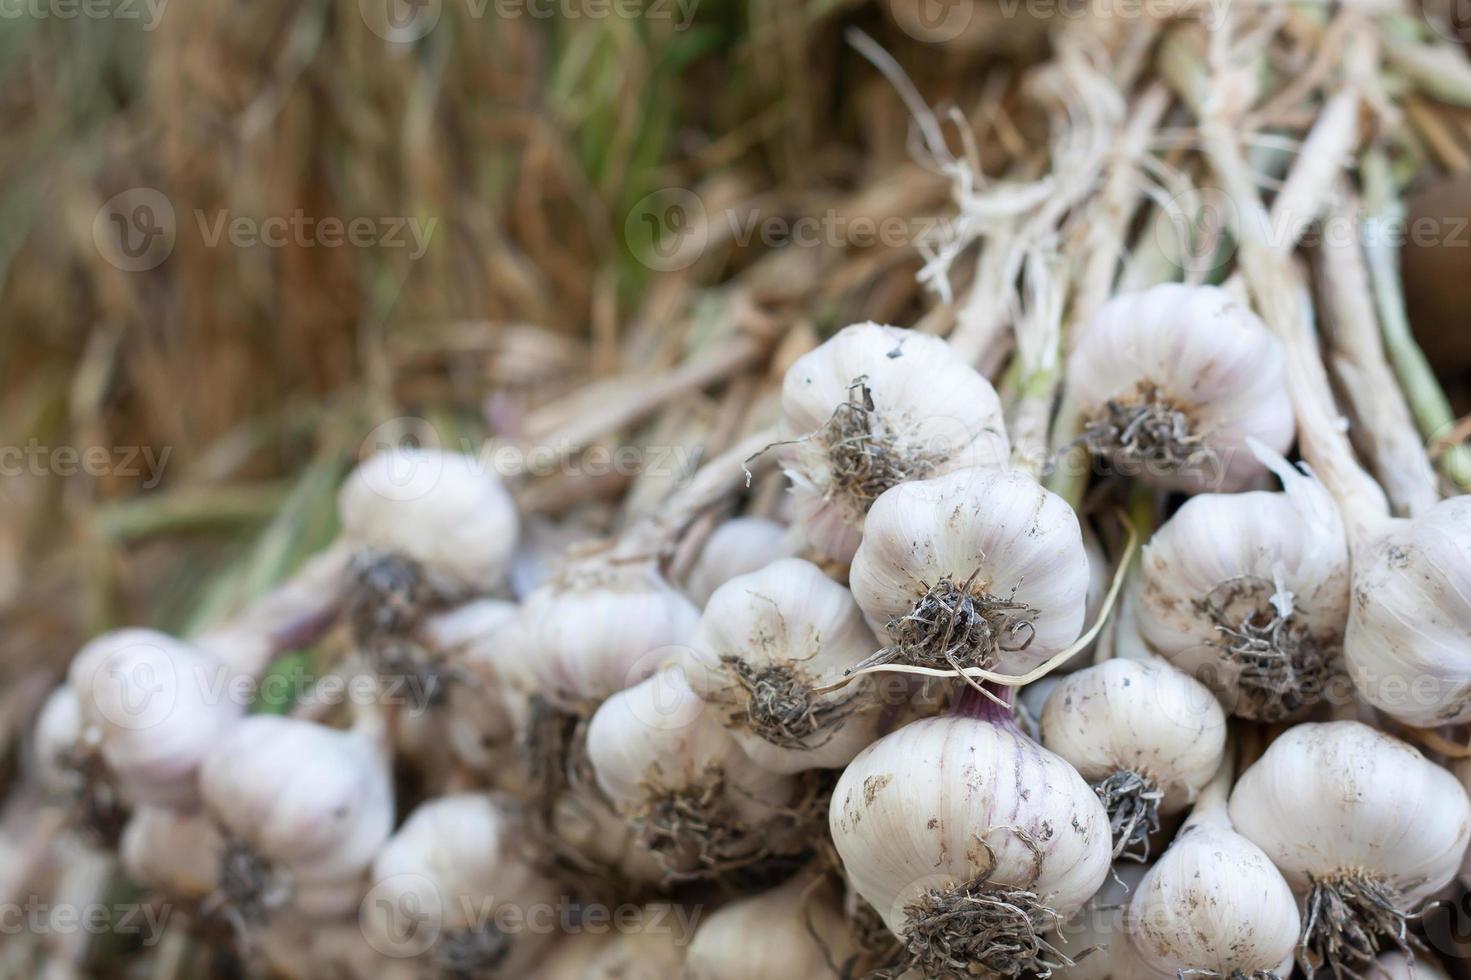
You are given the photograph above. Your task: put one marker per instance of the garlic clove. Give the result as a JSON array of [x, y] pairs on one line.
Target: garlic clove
[[1355, 818], [1172, 382], [600, 628], [156, 707], [874, 406], [1408, 642], [946, 810], [1213, 903], [454, 889], [981, 568], [1146, 736], [766, 643], [446, 511], [802, 932], [737, 547], [1248, 593], [304, 809]]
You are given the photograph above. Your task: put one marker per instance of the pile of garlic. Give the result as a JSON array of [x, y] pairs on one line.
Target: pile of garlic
[[800, 753]]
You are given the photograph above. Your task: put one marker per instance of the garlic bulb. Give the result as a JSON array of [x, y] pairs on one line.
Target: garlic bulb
[[1249, 593], [1097, 936], [156, 707], [446, 513], [980, 568], [179, 853], [57, 741], [653, 953], [1146, 736], [765, 643], [490, 680], [1173, 380], [801, 929], [599, 628], [1398, 966], [663, 758], [1360, 824], [870, 408], [583, 820], [1213, 905], [738, 546], [1408, 644], [972, 842], [303, 808], [454, 889]]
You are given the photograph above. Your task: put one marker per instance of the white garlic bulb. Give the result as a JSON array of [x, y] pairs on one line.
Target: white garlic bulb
[[489, 680], [304, 809], [1249, 593], [1173, 380], [446, 511], [972, 841], [57, 740], [454, 888], [1147, 736], [801, 929], [738, 546], [979, 568], [766, 642], [177, 852], [599, 628], [870, 408], [1398, 966], [582, 819], [1097, 936], [1360, 824], [663, 758], [155, 707], [1213, 905], [1408, 644]]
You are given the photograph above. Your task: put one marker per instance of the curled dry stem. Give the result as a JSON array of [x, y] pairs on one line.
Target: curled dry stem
[[1283, 668], [1132, 802], [1351, 917], [956, 626], [470, 954], [981, 927], [782, 707], [1146, 431]]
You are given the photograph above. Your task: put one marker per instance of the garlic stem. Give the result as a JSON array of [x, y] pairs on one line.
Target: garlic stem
[[1432, 410], [1210, 805]]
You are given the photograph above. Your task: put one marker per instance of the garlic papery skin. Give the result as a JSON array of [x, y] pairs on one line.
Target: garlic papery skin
[[446, 512], [154, 707], [599, 628], [1146, 736], [765, 644], [1359, 823], [1398, 966], [1173, 380], [1097, 936], [801, 934], [304, 808], [177, 852], [1249, 593], [972, 841], [663, 758], [738, 546], [1408, 645], [454, 888], [979, 568], [1213, 905], [870, 408]]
